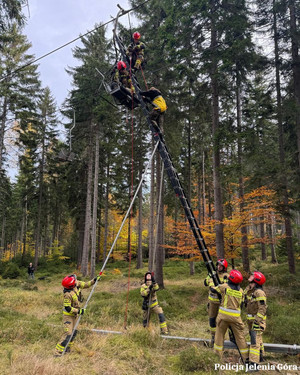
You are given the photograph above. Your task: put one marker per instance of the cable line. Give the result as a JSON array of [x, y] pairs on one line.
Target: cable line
[[72, 41]]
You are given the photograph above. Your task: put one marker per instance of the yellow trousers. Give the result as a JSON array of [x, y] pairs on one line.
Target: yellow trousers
[[225, 322]]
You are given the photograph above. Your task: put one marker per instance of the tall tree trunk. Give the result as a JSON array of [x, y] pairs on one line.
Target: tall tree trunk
[[244, 231], [95, 203], [87, 225], [2, 130], [151, 218], [295, 68], [139, 263], [203, 189], [262, 236], [2, 242], [284, 187], [271, 242], [106, 206], [24, 231], [216, 143], [160, 251], [41, 186], [192, 264]]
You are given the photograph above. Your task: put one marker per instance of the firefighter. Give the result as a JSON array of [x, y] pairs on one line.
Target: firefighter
[[135, 51], [122, 76], [213, 298], [229, 316], [71, 310], [256, 307], [158, 102], [150, 303]]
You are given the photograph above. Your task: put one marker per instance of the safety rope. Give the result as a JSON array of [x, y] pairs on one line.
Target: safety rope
[[131, 211], [144, 77]]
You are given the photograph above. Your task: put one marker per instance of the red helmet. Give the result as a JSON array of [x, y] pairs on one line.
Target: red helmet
[[136, 35], [258, 278], [121, 65], [223, 263], [235, 276], [69, 281]]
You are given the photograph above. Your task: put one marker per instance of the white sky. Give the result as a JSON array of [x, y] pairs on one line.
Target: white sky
[[52, 23]]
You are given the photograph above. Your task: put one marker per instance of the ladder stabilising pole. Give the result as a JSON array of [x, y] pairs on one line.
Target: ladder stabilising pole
[[271, 348], [114, 243]]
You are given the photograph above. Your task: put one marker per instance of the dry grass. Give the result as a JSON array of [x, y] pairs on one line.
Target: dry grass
[[30, 326]]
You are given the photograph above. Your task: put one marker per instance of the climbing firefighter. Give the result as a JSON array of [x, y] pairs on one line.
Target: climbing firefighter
[[150, 303], [121, 76], [213, 298], [71, 308], [256, 306], [135, 51], [229, 316], [158, 102]]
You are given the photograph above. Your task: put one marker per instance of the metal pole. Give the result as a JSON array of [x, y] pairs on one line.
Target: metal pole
[[274, 348]]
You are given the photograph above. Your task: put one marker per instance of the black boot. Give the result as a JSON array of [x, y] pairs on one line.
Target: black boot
[[261, 356]]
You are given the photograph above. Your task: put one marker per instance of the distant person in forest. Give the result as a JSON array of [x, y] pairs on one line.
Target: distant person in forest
[[229, 317], [150, 303], [30, 271], [71, 309], [158, 103], [135, 51], [121, 76], [255, 301], [214, 298]]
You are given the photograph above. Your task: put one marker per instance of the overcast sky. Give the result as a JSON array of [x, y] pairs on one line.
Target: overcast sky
[[52, 23]]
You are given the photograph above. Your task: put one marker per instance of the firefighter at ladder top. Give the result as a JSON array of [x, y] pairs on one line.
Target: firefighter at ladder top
[[158, 102], [255, 301], [135, 51], [150, 303], [229, 316], [213, 298], [121, 75], [71, 309]]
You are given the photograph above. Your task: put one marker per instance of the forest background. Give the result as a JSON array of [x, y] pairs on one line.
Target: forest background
[[230, 73]]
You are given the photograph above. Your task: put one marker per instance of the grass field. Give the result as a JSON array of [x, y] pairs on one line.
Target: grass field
[[31, 324]]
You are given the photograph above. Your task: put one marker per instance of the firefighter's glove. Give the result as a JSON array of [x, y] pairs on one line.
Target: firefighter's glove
[[81, 311], [150, 287], [153, 279], [255, 326], [97, 278]]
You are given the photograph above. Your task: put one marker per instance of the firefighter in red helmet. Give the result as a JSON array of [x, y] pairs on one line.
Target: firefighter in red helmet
[[229, 316], [256, 306], [122, 76], [135, 51], [150, 304], [71, 308], [213, 298]]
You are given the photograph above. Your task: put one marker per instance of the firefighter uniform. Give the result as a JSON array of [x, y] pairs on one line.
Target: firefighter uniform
[[71, 308], [123, 76], [229, 317], [150, 305], [214, 301], [158, 103], [256, 307], [136, 52]]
